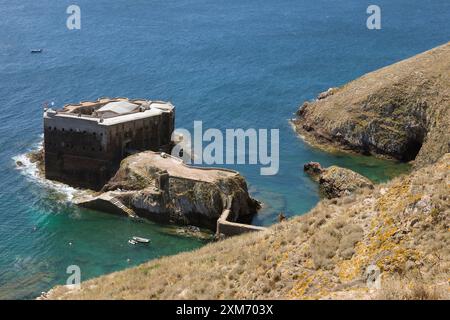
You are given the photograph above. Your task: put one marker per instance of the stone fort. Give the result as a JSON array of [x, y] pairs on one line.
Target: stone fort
[[84, 143]]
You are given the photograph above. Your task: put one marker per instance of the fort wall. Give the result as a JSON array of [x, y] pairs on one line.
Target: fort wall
[[85, 151]]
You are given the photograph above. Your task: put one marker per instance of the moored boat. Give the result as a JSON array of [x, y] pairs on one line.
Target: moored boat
[[141, 240]]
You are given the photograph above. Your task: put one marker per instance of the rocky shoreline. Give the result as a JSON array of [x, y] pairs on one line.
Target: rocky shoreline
[[398, 229], [161, 188], [400, 111]]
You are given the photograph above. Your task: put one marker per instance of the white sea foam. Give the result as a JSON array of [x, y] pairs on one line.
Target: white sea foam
[[31, 171]]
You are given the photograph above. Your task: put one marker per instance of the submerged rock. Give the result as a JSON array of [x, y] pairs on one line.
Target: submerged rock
[[164, 189], [335, 181]]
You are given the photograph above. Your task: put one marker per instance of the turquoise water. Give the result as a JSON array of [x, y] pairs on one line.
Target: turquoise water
[[234, 64]]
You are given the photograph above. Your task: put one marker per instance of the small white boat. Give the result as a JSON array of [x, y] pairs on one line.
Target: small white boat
[[131, 241], [36, 50], [141, 240]]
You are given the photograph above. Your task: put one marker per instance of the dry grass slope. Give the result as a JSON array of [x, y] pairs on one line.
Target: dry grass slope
[[402, 227]]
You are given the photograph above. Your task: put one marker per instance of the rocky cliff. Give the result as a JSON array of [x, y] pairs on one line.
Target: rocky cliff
[[401, 111], [162, 188]]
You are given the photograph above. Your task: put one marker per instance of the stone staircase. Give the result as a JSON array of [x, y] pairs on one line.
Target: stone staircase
[[130, 212]]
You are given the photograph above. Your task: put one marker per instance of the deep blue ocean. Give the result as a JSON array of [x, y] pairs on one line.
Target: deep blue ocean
[[232, 64]]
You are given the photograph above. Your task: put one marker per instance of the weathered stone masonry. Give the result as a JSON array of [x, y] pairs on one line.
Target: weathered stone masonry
[[85, 143]]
